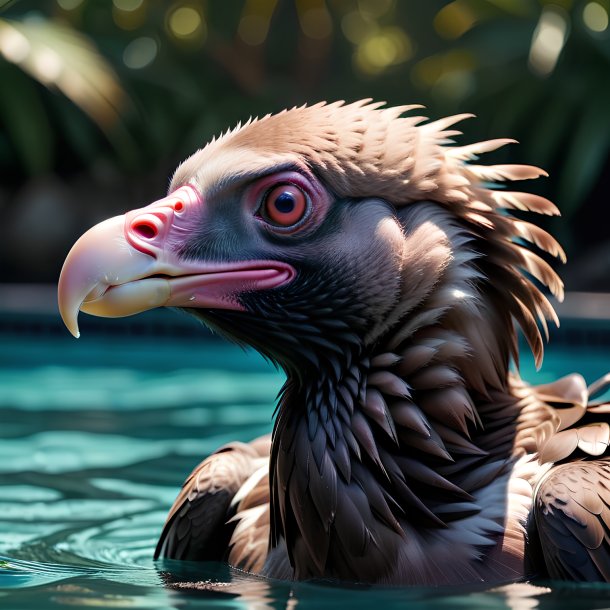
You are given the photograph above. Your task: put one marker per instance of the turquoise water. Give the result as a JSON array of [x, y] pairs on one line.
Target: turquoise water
[[96, 437]]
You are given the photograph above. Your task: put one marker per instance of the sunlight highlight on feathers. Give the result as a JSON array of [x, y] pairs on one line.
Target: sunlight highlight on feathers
[[365, 149]]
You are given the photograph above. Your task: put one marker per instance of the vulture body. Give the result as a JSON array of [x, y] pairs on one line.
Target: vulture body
[[380, 266]]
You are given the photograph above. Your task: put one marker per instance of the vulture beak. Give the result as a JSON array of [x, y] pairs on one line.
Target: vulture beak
[[129, 264]]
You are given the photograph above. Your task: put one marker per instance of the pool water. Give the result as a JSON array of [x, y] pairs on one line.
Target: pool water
[[96, 437]]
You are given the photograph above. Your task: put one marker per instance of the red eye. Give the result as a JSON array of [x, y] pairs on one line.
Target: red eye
[[285, 205]]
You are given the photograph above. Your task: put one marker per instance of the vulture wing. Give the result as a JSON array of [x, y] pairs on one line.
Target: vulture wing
[[572, 502], [572, 512], [205, 513]]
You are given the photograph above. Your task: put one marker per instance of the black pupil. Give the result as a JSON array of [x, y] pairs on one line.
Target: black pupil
[[285, 202]]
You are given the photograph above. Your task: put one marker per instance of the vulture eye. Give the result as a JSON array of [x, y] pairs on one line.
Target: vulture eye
[[285, 205]]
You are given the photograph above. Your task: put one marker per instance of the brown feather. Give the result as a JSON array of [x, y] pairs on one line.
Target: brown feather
[[415, 457]]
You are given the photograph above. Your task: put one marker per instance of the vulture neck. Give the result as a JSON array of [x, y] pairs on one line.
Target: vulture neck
[[370, 449]]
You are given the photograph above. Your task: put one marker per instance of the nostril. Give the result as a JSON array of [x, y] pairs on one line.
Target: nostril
[[144, 229]]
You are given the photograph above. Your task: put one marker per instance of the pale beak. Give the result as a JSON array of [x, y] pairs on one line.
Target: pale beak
[[128, 264]]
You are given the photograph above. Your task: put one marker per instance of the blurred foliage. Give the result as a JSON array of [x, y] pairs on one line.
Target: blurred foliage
[[136, 84]]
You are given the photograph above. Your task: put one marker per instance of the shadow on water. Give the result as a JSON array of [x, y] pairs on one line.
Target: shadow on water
[[171, 584], [220, 586]]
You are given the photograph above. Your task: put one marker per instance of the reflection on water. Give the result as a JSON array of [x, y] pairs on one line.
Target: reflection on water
[[91, 458]]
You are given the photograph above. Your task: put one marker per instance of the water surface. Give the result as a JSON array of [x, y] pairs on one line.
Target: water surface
[[96, 437]]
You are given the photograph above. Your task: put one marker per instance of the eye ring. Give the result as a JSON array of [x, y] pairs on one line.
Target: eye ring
[[284, 206]]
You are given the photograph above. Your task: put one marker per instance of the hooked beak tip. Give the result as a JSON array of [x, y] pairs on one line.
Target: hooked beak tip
[[83, 270], [70, 318], [75, 332]]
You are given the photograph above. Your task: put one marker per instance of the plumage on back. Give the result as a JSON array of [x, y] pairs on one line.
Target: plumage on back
[[383, 269]]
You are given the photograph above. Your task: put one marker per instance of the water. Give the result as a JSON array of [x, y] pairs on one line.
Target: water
[[96, 437]]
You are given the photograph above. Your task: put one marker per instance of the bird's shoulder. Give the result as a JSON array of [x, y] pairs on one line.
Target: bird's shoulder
[[199, 526]]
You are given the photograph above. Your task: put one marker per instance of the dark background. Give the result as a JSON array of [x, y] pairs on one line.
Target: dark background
[[101, 99]]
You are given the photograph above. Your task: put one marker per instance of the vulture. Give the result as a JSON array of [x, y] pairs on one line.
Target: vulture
[[386, 272]]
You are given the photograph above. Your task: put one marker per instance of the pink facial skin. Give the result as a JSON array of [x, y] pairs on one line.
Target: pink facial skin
[[126, 265]]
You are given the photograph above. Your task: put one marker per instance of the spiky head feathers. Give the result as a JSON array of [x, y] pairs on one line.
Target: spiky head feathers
[[362, 150]]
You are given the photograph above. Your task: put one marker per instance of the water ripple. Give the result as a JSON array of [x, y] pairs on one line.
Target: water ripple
[[67, 450], [69, 388]]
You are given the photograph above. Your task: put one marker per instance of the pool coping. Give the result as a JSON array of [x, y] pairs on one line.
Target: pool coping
[[42, 299]]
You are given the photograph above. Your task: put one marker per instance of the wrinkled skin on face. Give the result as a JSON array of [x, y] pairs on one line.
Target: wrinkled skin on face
[[199, 245], [333, 279], [329, 250]]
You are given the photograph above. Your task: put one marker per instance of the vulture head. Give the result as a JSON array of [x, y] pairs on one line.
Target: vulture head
[[383, 269], [322, 232]]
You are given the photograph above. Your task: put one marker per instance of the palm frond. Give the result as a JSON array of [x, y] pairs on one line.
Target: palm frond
[[61, 58]]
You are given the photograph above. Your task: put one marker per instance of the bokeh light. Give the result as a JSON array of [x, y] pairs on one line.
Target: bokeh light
[[186, 22], [140, 52], [387, 47], [548, 40], [595, 17]]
